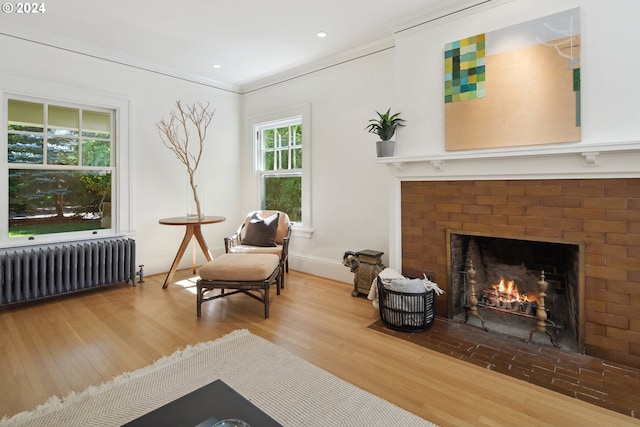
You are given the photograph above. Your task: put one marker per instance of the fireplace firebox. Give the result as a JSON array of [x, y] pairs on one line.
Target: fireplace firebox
[[518, 287]]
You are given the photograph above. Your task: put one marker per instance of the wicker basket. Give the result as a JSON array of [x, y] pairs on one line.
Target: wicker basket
[[407, 312]]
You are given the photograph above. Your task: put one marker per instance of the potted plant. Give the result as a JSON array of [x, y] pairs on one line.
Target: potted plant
[[385, 127]]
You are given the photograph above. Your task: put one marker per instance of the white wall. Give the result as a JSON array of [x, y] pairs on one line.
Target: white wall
[[158, 179], [349, 194], [353, 202], [609, 34], [610, 145]]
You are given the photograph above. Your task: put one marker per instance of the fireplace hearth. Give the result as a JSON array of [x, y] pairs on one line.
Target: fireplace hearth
[[525, 288]]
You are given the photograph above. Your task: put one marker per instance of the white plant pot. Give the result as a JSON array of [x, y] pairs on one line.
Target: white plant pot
[[386, 148]]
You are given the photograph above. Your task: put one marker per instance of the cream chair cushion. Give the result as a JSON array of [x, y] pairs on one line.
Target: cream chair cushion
[[244, 249], [240, 267]]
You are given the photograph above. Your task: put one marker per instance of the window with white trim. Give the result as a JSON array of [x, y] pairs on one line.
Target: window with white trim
[[282, 146], [281, 166], [60, 160]]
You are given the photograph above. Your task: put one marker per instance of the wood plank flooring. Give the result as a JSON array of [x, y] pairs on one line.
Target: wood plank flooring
[[597, 381], [67, 344]]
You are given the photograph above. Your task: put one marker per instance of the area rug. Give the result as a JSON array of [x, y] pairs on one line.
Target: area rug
[[291, 390]]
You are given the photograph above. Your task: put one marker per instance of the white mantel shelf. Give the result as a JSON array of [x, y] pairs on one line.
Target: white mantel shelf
[[619, 159], [578, 161]]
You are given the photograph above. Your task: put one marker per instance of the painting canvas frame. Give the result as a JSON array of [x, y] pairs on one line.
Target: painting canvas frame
[[516, 86]]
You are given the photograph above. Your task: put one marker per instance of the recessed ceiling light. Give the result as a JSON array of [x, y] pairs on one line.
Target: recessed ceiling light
[[217, 66], [321, 34]]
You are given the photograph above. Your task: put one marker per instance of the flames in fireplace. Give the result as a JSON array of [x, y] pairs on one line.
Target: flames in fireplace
[[505, 295]]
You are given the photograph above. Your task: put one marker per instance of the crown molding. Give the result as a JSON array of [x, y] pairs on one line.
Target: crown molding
[[438, 15], [318, 65], [401, 27], [88, 50]]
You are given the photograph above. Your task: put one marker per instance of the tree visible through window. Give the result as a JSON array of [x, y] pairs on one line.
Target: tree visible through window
[[281, 165], [60, 167]]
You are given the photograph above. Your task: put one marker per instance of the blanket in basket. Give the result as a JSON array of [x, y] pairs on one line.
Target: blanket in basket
[[395, 281]]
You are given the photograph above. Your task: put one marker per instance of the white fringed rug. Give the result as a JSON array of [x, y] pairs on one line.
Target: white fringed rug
[[291, 390]]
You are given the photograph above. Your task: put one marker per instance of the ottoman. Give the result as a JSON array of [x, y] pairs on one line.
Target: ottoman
[[251, 274]]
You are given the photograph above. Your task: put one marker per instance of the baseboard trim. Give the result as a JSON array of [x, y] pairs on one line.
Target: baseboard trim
[[322, 267]]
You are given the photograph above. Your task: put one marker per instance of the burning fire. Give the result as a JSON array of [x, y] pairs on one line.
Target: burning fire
[[506, 292]]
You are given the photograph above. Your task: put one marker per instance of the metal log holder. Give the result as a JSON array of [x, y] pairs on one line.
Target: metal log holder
[[472, 309], [541, 313]]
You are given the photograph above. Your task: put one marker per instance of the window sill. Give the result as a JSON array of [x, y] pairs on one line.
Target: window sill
[[305, 233]]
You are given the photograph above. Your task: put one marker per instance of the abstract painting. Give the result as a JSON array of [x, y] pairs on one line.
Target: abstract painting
[[515, 86]]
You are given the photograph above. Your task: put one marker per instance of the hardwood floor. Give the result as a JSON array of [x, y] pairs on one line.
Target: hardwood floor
[[67, 344]]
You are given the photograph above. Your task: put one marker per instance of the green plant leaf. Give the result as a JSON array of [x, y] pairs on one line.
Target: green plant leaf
[[385, 125]]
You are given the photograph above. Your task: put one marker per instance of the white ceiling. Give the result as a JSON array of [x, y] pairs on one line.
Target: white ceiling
[[250, 39]]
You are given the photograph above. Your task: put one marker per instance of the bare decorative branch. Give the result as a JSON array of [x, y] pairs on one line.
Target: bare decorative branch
[[175, 136]]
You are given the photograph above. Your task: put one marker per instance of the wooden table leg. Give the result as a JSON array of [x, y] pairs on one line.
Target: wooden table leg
[[192, 230], [183, 247], [193, 257], [203, 244]]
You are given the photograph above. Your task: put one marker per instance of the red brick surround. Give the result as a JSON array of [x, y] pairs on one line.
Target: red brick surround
[[604, 213]]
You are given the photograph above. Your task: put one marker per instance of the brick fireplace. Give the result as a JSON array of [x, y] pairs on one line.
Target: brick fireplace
[[603, 214], [507, 274]]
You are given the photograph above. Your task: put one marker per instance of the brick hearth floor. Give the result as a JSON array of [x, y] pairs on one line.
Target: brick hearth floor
[[600, 382]]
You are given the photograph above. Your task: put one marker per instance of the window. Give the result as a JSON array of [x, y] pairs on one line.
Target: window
[[282, 165], [60, 161]]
